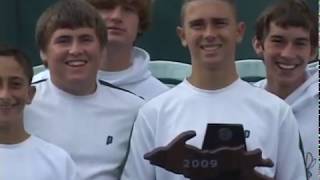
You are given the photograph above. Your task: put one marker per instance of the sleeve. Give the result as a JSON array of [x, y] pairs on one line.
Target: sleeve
[[142, 141], [290, 163]]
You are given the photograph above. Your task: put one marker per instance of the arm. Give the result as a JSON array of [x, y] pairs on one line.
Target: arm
[[290, 164], [142, 141]]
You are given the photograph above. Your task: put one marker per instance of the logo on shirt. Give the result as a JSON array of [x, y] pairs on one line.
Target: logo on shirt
[[109, 140], [247, 133]]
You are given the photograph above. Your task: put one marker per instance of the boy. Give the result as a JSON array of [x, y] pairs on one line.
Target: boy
[[24, 156], [123, 64], [90, 119], [287, 39], [214, 93]]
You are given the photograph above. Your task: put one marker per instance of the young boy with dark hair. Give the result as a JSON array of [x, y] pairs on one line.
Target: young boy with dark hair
[[24, 156], [287, 39]]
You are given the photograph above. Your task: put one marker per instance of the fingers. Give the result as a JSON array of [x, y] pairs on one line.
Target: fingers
[[265, 163], [185, 136]]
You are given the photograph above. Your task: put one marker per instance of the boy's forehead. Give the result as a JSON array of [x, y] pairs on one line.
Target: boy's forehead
[[298, 30], [203, 9], [10, 64], [78, 31], [112, 3]]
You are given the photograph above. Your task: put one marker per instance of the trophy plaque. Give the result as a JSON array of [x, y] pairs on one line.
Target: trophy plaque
[[220, 159]]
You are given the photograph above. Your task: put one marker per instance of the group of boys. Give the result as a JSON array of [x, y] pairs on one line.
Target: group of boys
[[89, 107]]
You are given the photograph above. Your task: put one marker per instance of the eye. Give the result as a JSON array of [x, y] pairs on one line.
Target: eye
[[130, 8], [16, 84], [301, 43], [87, 38], [277, 40], [62, 40], [221, 23], [196, 25]]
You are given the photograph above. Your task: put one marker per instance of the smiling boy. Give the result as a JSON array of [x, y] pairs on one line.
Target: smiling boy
[[287, 39], [24, 156], [214, 93], [91, 119]]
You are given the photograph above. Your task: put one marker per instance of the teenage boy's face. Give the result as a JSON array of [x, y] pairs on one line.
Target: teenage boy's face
[[286, 52], [211, 32], [73, 56], [15, 90], [122, 24]]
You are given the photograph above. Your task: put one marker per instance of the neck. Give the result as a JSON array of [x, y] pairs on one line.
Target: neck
[[117, 58], [78, 88], [13, 134], [81, 89], [282, 89], [212, 79]]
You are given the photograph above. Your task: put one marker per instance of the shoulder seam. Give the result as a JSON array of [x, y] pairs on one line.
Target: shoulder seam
[[116, 87]]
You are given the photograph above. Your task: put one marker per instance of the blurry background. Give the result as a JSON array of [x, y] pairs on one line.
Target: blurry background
[[18, 19]]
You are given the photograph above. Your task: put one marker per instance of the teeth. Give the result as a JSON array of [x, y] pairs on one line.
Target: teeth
[[76, 63], [210, 47], [286, 66]]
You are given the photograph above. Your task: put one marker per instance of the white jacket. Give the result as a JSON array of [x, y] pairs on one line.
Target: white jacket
[[304, 102], [137, 78]]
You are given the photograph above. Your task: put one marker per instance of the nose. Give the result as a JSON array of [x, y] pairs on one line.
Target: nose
[[288, 51], [210, 33], [4, 92], [75, 48], [115, 14]]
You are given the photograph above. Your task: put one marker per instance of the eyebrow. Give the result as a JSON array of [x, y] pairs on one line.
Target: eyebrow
[[296, 39]]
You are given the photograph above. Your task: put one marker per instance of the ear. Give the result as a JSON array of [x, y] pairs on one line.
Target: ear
[[240, 31], [31, 93], [182, 36], [43, 55], [257, 46], [314, 53]]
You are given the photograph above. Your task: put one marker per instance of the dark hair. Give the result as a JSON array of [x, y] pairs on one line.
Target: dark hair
[[69, 14], [186, 2], [143, 7], [20, 57], [287, 13]]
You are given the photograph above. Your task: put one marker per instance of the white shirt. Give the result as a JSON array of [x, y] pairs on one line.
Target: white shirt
[[35, 159], [269, 121], [94, 129]]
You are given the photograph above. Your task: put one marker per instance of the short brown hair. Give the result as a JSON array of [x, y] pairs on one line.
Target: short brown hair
[[143, 7], [295, 13], [20, 57], [69, 14], [186, 2]]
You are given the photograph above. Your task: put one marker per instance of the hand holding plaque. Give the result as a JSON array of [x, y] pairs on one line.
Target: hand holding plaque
[[192, 162]]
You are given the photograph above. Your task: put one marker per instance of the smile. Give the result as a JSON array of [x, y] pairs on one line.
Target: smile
[[76, 63], [287, 66], [210, 47], [116, 29]]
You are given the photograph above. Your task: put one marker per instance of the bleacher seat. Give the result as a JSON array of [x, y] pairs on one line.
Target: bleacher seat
[[251, 70], [170, 72], [38, 68]]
